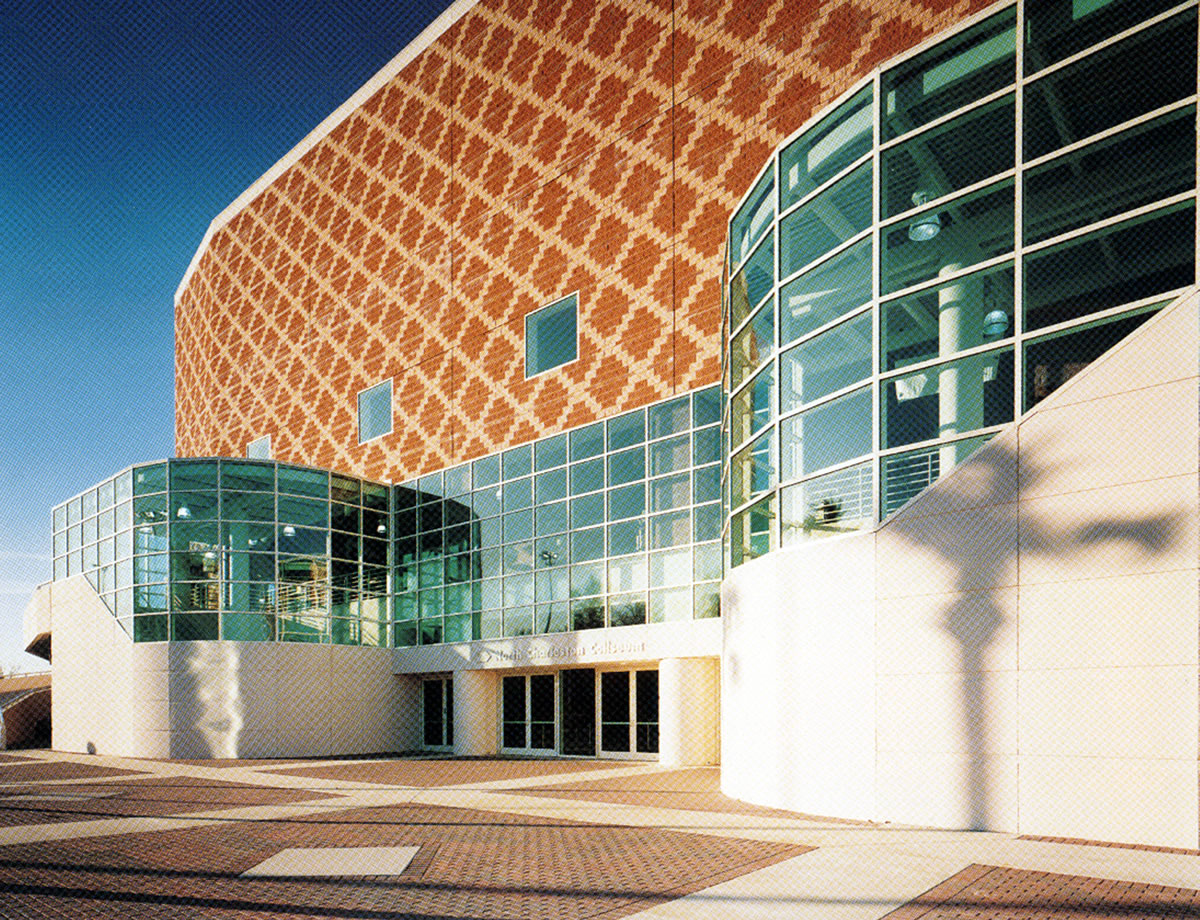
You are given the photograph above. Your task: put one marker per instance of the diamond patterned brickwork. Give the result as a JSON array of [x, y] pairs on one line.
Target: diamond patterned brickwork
[[538, 147]]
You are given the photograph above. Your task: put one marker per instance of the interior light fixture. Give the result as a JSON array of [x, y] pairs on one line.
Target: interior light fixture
[[183, 512], [926, 226], [995, 324]]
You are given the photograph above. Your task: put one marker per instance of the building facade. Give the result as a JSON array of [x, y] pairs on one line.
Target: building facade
[[809, 388]]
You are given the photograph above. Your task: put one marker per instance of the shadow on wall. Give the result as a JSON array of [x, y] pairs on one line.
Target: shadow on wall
[[206, 701], [983, 547]]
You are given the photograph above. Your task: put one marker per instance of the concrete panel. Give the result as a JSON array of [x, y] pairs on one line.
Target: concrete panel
[[1091, 445], [948, 790], [947, 632], [797, 685], [1151, 802], [1148, 713], [1167, 348], [1121, 530], [964, 713], [476, 713], [689, 699], [943, 553], [1127, 621], [987, 477]]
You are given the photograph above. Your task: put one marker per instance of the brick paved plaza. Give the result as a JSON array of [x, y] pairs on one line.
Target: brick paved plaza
[[98, 837]]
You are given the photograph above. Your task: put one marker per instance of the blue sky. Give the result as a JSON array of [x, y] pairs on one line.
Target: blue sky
[[125, 129]]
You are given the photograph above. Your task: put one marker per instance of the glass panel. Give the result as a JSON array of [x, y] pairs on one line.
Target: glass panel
[[627, 430], [829, 362], [671, 605], [627, 501], [374, 412], [517, 462], [907, 475], [550, 452], [707, 520], [587, 579], [838, 502], [458, 481], [587, 476], [518, 494], [587, 614], [753, 217], [671, 567], [627, 466], [751, 531], [825, 222], [953, 73], [149, 509], [189, 475], [753, 469], [587, 544], [1058, 29], [552, 518], [707, 484], [708, 601], [825, 149], [551, 338], [831, 433], [486, 471], [627, 609], [1137, 259], [709, 564], [962, 314], [671, 529], [753, 408], [518, 622], [753, 344], [952, 236], [830, 290], [1095, 93], [669, 418], [1051, 362], [587, 511], [239, 476], [587, 442], [430, 486], [1143, 165], [626, 537], [551, 486], [628, 574], [518, 526], [671, 492], [753, 282], [950, 157], [670, 455], [706, 406], [949, 399], [149, 479], [313, 483], [196, 506]]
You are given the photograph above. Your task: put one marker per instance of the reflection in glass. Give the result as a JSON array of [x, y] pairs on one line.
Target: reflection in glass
[[831, 433], [821, 295], [826, 363], [826, 148]]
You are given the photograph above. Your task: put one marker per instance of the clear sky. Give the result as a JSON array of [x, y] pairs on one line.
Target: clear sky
[[125, 128]]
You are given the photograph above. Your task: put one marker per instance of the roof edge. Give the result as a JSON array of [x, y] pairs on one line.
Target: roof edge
[[428, 36]]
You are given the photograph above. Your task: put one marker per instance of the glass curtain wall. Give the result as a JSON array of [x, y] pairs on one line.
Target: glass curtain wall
[[233, 549], [613, 524], [948, 245]]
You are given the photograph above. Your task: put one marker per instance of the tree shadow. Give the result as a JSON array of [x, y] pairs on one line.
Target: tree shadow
[[973, 521]]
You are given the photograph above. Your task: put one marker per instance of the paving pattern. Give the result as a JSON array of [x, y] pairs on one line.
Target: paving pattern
[[102, 837]]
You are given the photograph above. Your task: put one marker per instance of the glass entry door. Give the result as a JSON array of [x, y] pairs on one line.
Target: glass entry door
[[578, 688]]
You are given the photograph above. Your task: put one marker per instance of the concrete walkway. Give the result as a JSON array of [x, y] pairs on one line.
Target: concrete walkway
[[849, 872]]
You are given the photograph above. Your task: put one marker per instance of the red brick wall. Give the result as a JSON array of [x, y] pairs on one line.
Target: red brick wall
[[539, 147]]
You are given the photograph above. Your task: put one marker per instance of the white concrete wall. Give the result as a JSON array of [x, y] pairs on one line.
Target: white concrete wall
[[476, 713], [277, 699], [90, 709], [797, 688], [1034, 626], [689, 705]]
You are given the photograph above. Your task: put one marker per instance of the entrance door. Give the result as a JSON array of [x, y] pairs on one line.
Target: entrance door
[[578, 687]]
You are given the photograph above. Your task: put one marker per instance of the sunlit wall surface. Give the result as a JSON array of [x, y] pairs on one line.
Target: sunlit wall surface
[[612, 524], [946, 246]]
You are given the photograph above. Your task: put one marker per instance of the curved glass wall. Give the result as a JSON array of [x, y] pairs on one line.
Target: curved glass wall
[[233, 549], [944, 248], [613, 524]]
